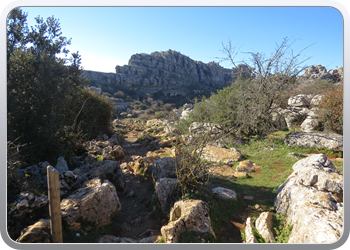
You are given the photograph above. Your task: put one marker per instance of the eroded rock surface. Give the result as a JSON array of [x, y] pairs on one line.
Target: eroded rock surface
[[309, 198], [187, 215], [331, 141], [221, 155], [92, 205]]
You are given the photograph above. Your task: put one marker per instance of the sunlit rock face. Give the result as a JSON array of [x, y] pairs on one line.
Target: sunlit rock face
[[169, 73], [311, 198]]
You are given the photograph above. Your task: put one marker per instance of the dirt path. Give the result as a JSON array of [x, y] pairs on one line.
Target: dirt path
[[137, 219]]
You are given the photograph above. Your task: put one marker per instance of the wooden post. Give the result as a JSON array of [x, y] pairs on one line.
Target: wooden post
[[54, 204]]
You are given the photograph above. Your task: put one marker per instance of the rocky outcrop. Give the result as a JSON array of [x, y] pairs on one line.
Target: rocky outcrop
[[169, 72], [329, 141], [92, 205], [320, 72], [309, 197], [187, 215]]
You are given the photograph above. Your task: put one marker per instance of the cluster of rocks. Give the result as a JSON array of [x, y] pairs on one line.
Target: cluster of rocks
[[321, 73], [301, 109], [309, 196]]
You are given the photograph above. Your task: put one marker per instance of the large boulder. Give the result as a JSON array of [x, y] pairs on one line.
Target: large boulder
[[331, 141], [187, 215], [299, 100], [309, 197], [163, 168], [92, 205], [221, 155]]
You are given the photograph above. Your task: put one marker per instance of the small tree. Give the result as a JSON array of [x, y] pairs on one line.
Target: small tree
[[245, 108], [48, 110]]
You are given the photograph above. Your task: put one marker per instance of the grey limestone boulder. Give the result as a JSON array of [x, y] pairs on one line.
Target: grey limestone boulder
[[331, 141], [309, 197]]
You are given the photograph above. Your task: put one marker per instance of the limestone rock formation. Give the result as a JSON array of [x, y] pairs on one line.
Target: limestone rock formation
[[187, 215], [92, 205], [309, 197], [320, 72], [331, 141], [168, 72]]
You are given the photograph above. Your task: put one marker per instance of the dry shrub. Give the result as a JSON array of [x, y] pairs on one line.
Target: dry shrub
[[331, 109]]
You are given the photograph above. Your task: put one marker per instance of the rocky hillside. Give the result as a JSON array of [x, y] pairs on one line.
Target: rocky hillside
[[166, 73]]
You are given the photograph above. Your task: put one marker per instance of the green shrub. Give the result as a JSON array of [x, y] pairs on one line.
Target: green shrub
[[48, 108], [282, 228]]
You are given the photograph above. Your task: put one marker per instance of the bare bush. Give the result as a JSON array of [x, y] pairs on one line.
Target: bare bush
[[246, 107]]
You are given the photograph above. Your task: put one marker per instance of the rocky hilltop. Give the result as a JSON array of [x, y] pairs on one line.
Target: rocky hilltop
[[168, 73]]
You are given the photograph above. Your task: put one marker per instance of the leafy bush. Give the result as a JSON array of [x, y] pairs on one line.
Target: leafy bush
[[143, 106], [282, 228], [48, 109]]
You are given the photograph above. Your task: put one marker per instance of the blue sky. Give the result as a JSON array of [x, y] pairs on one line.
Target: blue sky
[[108, 36]]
